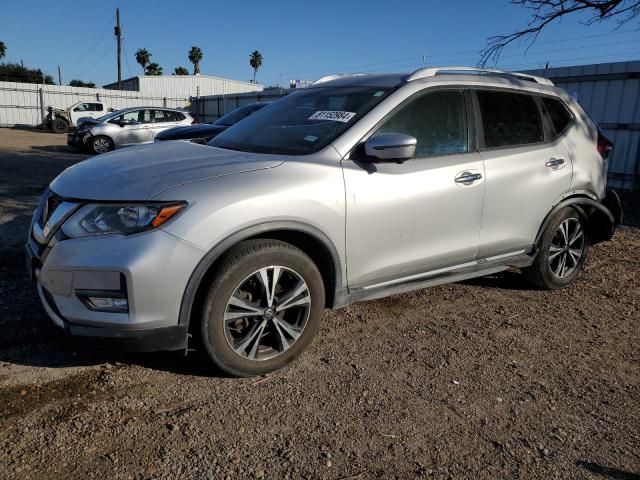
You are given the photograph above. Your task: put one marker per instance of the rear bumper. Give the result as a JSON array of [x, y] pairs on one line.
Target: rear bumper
[[605, 217]]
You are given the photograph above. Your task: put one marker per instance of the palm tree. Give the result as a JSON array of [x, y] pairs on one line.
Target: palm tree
[[143, 57], [180, 71], [3, 50], [153, 69], [195, 57], [255, 60]]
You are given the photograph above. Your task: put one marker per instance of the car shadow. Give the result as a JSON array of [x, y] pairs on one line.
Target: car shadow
[[506, 280], [607, 472], [58, 149]]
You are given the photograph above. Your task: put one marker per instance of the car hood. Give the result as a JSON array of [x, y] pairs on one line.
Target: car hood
[[142, 172], [86, 121], [191, 131]]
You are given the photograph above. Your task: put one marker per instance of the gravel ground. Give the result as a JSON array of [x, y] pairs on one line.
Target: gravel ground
[[488, 378]]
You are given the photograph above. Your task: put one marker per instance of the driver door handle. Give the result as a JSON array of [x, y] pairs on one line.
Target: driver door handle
[[555, 162], [467, 178]]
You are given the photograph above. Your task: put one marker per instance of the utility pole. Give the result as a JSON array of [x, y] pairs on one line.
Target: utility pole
[[118, 32], [424, 58], [59, 76]]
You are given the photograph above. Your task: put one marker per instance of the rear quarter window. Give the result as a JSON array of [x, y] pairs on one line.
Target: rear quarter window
[[558, 113]]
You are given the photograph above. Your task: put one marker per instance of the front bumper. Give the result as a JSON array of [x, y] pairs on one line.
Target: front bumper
[[154, 268], [78, 140]]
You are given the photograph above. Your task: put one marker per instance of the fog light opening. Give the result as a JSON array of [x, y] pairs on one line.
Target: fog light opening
[[113, 301], [108, 303]]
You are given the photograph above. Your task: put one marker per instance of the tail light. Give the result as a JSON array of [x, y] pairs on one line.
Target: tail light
[[604, 145]]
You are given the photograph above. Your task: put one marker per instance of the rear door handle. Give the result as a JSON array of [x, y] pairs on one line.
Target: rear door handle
[[555, 162], [467, 178]]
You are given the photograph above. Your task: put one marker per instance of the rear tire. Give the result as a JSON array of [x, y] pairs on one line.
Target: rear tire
[[59, 125], [262, 309], [562, 253], [101, 144]]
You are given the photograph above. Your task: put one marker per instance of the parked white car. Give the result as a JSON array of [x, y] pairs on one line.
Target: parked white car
[[60, 120], [129, 126]]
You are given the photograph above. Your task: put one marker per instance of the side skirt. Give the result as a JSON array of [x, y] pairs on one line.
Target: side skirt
[[479, 268]]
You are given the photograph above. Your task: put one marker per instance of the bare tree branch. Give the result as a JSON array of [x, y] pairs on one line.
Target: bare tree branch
[[544, 12]]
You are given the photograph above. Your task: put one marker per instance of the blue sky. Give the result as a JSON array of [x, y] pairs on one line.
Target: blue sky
[[298, 39]]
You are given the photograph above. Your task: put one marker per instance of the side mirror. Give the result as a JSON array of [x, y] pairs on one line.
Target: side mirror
[[123, 122], [390, 146]]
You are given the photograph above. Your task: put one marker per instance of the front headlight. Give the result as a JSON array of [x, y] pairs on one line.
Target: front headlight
[[102, 219]]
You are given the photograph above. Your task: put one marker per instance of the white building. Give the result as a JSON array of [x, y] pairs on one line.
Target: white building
[[184, 86]]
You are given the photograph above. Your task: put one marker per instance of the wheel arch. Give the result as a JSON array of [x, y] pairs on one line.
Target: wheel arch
[[601, 217], [306, 237]]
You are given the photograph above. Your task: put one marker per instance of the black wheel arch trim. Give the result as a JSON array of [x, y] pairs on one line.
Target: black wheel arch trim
[[189, 295], [603, 219]]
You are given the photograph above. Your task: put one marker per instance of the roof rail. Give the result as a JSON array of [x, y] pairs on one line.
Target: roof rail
[[431, 72], [328, 78]]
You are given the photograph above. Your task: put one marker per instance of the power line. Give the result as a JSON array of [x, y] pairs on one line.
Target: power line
[[450, 54], [126, 59], [88, 69], [95, 44]]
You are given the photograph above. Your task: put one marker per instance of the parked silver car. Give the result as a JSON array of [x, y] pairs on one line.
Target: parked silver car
[[126, 127], [356, 188]]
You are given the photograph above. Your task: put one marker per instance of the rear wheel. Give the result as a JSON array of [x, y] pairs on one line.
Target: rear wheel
[[563, 251], [263, 308], [101, 144], [59, 125]]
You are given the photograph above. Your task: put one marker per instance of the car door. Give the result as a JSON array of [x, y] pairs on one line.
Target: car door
[[163, 120], [413, 219], [527, 170], [136, 128], [81, 110]]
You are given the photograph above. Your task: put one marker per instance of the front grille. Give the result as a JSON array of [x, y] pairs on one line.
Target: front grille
[[50, 204]]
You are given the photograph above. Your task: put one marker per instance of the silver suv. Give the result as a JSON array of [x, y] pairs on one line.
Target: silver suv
[[122, 128], [358, 187]]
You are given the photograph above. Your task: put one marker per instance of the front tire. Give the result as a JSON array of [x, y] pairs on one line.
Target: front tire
[[263, 308], [58, 125], [101, 144], [563, 251]]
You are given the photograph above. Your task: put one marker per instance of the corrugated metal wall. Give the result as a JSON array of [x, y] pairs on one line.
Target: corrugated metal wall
[[185, 85], [210, 108], [610, 93], [20, 103]]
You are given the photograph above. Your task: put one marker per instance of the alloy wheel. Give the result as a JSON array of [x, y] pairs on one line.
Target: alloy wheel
[[267, 313], [567, 248]]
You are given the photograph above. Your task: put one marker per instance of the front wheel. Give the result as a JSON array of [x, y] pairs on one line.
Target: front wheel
[[563, 251], [58, 125], [263, 308], [101, 144]]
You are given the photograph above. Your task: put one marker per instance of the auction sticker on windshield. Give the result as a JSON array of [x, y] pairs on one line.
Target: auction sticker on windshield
[[335, 116]]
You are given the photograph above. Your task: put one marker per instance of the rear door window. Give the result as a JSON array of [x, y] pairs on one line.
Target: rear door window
[[558, 113], [509, 119], [157, 116], [170, 116]]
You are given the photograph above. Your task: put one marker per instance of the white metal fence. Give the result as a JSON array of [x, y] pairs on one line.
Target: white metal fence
[[610, 93], [26, 103]]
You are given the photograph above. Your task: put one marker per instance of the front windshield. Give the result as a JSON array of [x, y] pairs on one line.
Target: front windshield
[[109, 116], [236, 115], [303, 122]]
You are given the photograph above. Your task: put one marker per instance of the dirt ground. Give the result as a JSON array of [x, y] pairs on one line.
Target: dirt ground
[[489, 378]]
